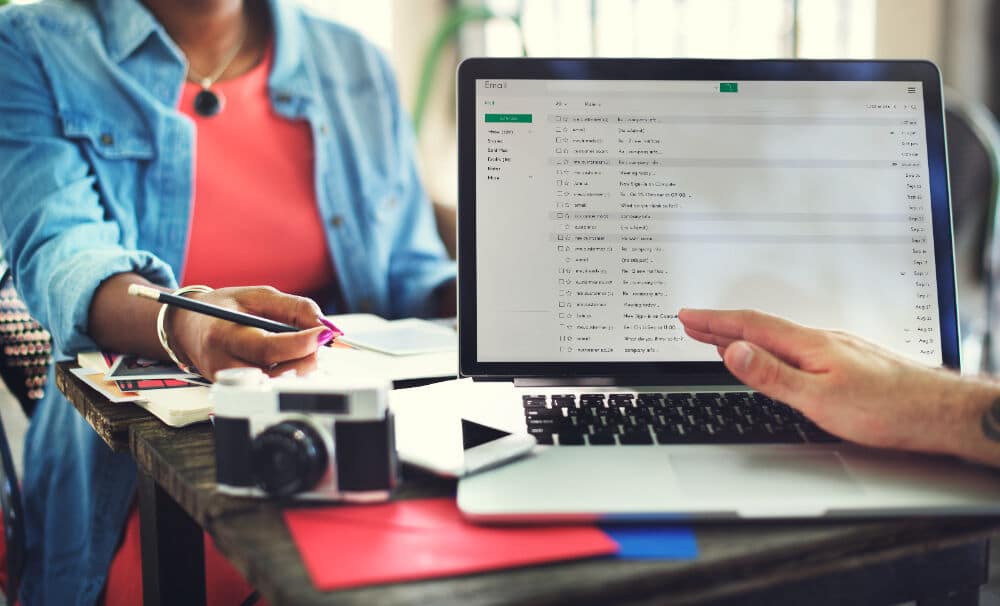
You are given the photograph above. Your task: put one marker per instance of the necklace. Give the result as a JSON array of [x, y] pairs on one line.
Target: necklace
[[207, 102]]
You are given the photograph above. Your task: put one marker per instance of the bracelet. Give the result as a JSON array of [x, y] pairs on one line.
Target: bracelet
[[161, 324]]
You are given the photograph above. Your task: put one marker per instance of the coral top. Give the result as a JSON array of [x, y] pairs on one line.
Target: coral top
[[255, 218], [255, 221]]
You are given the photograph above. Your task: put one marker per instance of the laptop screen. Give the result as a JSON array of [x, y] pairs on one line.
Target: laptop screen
[[603, 206]]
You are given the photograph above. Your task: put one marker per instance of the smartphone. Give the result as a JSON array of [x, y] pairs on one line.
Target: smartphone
[[455, 447], [486, 447]]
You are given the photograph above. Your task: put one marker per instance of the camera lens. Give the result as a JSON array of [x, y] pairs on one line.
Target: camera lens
[[288, 458]]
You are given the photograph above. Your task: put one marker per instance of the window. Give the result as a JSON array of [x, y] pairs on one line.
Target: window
[[684, 28]]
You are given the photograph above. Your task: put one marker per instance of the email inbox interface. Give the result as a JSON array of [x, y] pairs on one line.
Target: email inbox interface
[[603, 207]]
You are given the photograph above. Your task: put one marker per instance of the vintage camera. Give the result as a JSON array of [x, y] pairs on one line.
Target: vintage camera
[[302, 437]]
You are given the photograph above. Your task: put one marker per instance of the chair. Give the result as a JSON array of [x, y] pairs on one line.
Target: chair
[[13, 518], [25, 357], [25, 347], [974, 172]]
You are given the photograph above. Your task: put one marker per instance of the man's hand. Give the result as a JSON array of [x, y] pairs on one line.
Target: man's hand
[[849, 386], [211, 344]]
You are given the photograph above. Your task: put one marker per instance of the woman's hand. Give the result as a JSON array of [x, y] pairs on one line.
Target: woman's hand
[[849, 386], [211, 344]]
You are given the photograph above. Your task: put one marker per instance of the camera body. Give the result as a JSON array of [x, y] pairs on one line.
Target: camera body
[[305, 438]]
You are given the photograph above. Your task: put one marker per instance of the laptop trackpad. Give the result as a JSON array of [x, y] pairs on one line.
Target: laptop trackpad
[[779, 473]]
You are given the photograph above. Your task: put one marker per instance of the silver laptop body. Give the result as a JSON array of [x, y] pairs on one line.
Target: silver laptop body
[[599, 196]]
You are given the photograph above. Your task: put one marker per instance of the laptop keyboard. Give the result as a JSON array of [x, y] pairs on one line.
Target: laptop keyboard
[[607, 419]]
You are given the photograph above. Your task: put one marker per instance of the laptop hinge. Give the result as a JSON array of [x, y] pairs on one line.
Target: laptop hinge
[[710, 381], [568, 381]]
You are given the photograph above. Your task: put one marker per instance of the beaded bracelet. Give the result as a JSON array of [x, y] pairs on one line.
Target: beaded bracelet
[[161, 321]]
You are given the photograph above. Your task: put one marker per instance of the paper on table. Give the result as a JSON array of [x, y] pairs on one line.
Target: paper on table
[[408, 337], [177, 407], [346, 362], [95, 360], [130, 366], [352, 323], [109, 389], [423, 538]]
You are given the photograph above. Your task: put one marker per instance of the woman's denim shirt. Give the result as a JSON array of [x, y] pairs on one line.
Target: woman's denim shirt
[[96, 179]]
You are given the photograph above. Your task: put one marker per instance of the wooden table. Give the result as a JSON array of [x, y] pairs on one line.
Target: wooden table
[[935, 561]]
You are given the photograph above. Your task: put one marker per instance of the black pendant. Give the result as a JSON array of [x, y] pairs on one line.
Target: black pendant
[[207, 103]]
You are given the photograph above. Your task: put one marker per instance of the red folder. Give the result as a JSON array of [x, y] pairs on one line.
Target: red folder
[[424, 538]]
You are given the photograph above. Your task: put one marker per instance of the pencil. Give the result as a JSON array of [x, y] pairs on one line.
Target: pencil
[[137, 290]]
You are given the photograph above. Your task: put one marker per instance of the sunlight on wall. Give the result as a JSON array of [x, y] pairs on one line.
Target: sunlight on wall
[[373, 18]]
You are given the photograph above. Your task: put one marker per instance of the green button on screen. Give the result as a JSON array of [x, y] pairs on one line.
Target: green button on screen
[[508, 117], [727, 87]]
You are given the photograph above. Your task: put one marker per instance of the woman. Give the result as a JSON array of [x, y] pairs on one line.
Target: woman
[[168, 142]]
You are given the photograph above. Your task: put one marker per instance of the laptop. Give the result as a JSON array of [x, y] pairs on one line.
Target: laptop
[[597, 197]]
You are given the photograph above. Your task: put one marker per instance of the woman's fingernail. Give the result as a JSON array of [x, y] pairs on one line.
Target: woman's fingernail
[[329, 325], [741, 355], [326, 336]]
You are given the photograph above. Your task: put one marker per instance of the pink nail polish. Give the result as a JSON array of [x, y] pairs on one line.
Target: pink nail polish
[[329, 325], [326, 336]]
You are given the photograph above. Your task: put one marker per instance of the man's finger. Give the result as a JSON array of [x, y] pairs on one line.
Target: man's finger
[[781, 337], [760, 370], [709, 338]]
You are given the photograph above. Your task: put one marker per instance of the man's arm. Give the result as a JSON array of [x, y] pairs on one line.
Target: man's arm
[[854, 388]]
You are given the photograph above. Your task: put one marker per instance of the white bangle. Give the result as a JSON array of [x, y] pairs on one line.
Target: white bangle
[[161, 324]]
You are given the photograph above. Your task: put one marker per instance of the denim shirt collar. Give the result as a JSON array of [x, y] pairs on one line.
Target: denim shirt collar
[[128, 24], [291, 83]]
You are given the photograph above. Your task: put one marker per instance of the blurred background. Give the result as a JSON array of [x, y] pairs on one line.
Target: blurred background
[[426, 39]]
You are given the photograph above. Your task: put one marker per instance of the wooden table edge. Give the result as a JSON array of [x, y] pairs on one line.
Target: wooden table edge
[[694, 582], [111, 421]]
